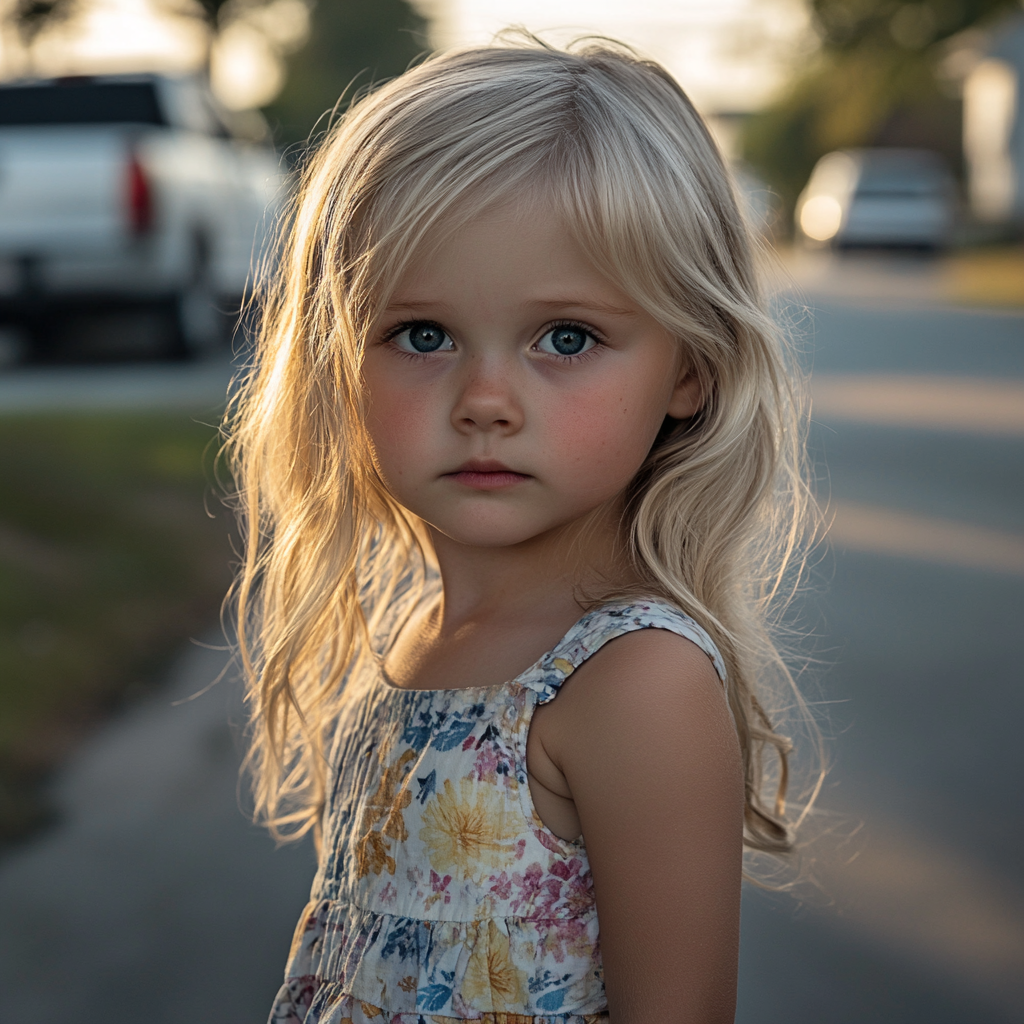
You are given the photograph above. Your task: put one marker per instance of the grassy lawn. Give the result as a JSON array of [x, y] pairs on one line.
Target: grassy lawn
[[114, 550]]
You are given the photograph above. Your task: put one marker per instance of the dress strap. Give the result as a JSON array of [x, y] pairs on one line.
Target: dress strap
[[606, 623]]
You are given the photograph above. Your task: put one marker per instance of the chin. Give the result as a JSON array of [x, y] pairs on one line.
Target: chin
[[489, 538], [492, 532]]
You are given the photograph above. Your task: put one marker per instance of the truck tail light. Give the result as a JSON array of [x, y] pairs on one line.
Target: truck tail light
[[140, 198]]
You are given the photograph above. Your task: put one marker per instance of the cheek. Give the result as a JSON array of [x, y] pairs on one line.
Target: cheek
[[603, 438], [397, 420]]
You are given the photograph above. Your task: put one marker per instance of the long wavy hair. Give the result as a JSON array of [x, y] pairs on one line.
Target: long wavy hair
[[716, 519]]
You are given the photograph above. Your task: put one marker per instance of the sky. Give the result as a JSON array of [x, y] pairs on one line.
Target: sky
[[730, 55]]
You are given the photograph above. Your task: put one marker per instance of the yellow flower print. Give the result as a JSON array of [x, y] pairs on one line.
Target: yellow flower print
[[492, 981], [372, 855], [505, 1018], [467, 832], [563, 666], [372, 851]]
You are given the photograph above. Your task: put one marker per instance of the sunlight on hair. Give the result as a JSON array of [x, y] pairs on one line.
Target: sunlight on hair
[[718, 519]]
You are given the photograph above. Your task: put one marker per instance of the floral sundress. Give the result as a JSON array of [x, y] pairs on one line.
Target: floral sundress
[[441, 896]]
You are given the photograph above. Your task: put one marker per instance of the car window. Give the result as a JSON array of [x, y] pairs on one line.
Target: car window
[[908, 177], [80, 102], [190, 108]]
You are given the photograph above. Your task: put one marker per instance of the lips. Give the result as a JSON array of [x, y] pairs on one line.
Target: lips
[[483, 466], [486, 475]]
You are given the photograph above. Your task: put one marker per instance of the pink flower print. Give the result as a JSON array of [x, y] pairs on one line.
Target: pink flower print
[[571, 932], [502, 887], [579, 894], [520, 849], [565, 869], [468, 742], [485, 767], [440, 887], [549, 841], [549, 894], [528, 884], [388, 894], [439, 884]]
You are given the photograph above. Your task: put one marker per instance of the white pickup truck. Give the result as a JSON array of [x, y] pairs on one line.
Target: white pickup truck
[[129, 191]]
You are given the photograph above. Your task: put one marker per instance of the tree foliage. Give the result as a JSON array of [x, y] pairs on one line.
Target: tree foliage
[[352, 44], [851, 25], [873, 82], [31, 19]]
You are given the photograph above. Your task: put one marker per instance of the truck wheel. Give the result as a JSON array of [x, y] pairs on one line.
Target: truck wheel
[[199, 325]]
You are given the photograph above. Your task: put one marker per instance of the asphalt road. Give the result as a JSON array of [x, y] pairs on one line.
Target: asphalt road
[[918, 626], [154, 900]]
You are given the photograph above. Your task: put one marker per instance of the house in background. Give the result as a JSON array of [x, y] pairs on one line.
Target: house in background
[[993, 126]]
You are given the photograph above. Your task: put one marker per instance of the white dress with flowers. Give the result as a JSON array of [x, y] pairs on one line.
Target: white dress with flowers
[[441, 896]]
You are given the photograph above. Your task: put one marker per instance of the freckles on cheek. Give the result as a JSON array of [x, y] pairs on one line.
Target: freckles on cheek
[[396, 423], [600, 437]]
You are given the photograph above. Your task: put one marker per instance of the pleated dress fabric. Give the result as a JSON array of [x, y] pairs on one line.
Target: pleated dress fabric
[[441, 896]]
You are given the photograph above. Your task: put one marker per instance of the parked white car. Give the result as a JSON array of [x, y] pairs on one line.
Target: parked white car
[[878, 197], [129, 189]]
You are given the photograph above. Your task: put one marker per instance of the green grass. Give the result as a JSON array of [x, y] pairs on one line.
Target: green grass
[[114, 550]]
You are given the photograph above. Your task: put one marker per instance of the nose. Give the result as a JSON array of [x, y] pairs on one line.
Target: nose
[[487, 400]]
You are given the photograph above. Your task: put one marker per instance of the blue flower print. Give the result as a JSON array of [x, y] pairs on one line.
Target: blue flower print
[[427, 786]]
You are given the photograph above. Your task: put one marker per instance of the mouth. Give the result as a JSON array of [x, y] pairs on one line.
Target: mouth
[[486, 475]]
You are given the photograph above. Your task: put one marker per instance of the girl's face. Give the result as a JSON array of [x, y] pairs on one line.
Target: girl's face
[[512, 388]]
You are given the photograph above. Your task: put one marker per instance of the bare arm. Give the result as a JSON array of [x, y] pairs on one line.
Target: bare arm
[[647, 748]]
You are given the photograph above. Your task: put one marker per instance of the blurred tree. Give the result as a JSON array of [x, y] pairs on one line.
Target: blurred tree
[[32, 18], [213, 15], [352, 43], [874, 81]]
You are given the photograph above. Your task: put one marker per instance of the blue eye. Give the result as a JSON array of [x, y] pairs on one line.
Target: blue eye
[[567, 340], [423, 337]]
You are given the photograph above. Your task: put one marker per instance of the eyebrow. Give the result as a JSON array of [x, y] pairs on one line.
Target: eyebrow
[[559, 303], [582, 303], [415, 304]]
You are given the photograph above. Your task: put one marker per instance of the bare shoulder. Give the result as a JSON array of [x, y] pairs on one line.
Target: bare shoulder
[[663, 657], [649, 757], [648, 704], [649, 679]]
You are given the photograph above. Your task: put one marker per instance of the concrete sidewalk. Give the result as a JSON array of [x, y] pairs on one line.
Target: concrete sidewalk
[[198, 387], [152, 900]]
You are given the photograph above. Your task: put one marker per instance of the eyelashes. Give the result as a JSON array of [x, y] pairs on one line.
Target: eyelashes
[[420, 337], [568, 339], [563, 340]]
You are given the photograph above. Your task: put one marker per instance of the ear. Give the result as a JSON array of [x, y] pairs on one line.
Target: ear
[[687, 397]]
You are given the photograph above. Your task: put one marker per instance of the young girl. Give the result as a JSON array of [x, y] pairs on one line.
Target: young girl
[[516, 456]]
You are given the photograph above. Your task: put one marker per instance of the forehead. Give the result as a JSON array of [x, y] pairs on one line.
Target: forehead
[[521, 250]]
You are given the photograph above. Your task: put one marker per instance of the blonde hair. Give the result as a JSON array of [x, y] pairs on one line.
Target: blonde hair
[[715, 518]]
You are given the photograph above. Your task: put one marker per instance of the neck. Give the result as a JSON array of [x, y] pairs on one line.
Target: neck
[[544, 576]]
